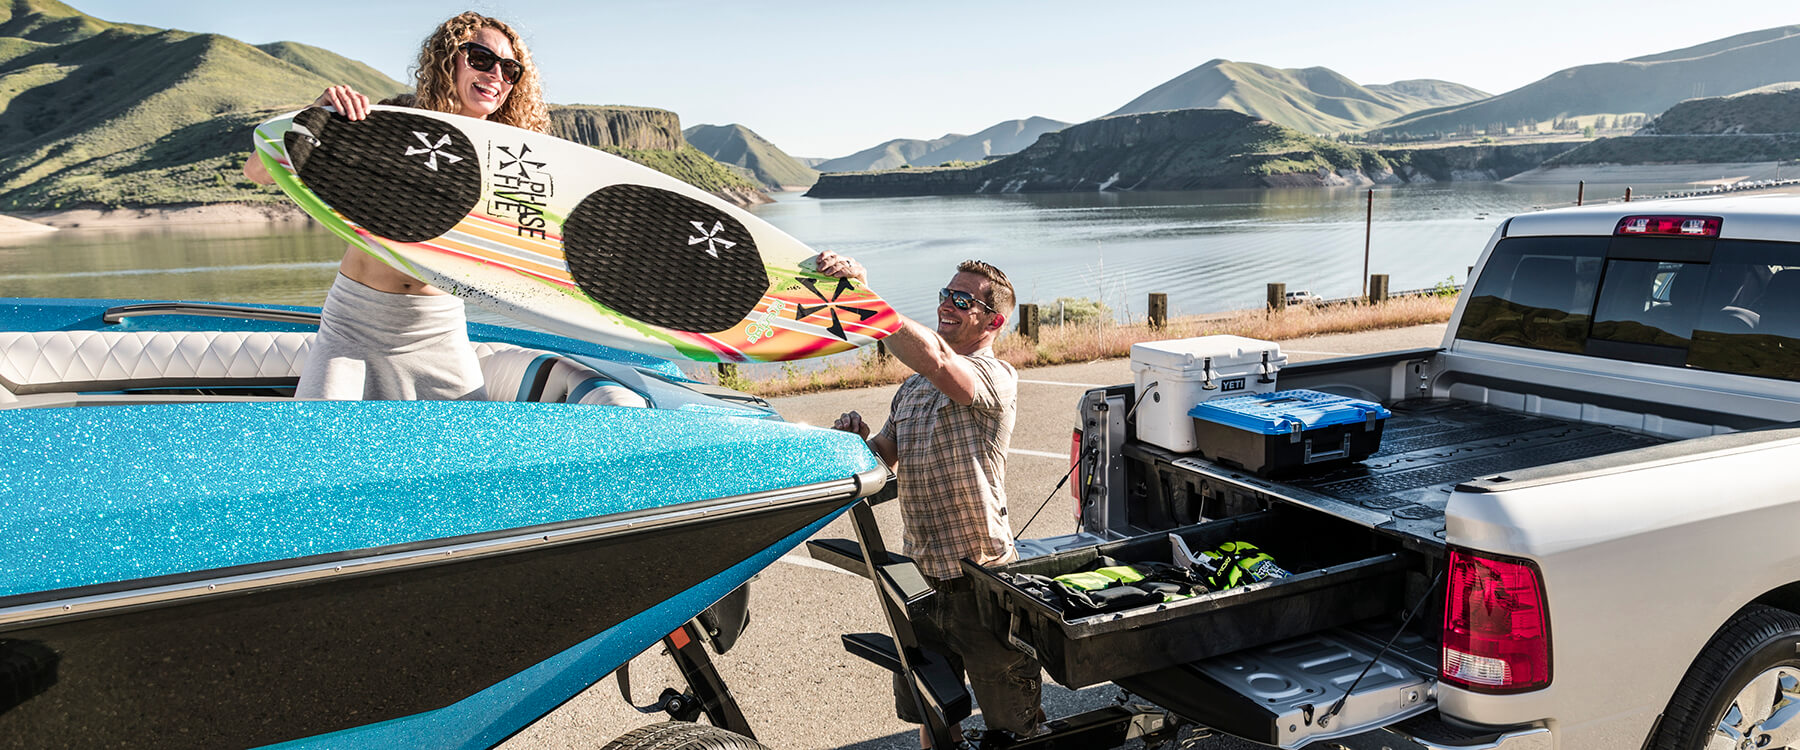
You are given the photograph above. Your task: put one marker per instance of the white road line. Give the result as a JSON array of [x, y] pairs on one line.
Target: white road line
[[1058, 382], [1039, 454], [807, 562]]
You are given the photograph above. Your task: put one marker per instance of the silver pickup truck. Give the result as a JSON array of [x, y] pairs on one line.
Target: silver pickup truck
[[1579, 530]]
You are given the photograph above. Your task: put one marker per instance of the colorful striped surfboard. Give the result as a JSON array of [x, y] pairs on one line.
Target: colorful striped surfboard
[[565, 237]]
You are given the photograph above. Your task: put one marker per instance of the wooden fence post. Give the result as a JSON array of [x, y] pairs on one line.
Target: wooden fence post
[[1028, 322], [1378, 287], [1159, 310], [1278, 297]]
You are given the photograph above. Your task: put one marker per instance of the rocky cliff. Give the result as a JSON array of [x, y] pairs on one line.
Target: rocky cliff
[[1471, 163], [652, 137], [643, 128]]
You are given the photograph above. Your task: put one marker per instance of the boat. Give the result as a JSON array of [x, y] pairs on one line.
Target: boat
[[189, 557]]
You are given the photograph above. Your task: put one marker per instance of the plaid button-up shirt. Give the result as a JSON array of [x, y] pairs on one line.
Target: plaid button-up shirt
[[952, 468]]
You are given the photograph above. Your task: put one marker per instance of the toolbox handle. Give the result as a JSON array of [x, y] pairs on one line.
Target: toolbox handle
[[1343, 451], [1013, 639]]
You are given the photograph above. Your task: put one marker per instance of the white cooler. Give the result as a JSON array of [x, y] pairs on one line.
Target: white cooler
[[1174, 376]]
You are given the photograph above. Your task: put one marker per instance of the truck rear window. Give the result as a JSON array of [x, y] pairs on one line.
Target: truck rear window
[[1726, 306]]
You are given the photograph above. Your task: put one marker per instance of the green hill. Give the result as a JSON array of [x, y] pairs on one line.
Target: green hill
[[334, 67], [1009, 137], [1643, 85], [117, 114], [1313, 100], [99, 113], [740, 146]]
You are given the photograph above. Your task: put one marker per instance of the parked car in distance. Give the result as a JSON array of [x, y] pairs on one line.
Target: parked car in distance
[[1303, 297]]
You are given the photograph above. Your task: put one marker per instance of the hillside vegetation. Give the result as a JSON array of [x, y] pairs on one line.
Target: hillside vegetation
[[1644, 85], [1760, 111], [742, 147], [1312, 100]]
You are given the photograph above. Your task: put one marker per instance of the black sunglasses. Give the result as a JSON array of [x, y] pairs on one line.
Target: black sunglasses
[[483, 59], [962, 300]]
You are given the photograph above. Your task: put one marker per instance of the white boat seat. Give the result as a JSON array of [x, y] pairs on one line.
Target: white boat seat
[[89, 361]]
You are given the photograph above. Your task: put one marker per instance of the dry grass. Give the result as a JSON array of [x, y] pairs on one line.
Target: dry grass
[[1085, 343]]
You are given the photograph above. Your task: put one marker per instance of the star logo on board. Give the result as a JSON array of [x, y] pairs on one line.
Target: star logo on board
[[830, 302], [434, 149], [710, 237], [519, 160]]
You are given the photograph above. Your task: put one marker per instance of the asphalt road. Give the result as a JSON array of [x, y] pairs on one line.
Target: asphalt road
[[796, 684]]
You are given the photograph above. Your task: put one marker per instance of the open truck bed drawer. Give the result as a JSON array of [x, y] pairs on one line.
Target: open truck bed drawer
[[1341, 573]]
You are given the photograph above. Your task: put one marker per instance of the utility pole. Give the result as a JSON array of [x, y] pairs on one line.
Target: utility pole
[[1368, 233]]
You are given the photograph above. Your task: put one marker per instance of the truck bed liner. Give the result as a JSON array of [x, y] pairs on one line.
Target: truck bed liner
[[1429, 447]]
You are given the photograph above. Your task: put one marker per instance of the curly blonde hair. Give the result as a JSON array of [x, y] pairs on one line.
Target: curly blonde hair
[[434, 75]]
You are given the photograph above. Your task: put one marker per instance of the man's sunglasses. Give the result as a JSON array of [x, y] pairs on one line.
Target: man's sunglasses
[[484, 59], [962, 300]]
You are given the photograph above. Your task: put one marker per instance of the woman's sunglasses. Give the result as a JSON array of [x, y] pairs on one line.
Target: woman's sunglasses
[[962, 300], [484, 59]]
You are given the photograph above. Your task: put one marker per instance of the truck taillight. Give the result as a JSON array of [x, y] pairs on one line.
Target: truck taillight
[[1673, 226], [1075, 473], [1496, 631]]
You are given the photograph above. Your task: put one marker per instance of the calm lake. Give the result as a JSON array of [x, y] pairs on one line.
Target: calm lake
[[1209, 250]]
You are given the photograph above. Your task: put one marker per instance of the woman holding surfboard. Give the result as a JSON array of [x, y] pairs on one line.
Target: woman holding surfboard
[[384, 335]]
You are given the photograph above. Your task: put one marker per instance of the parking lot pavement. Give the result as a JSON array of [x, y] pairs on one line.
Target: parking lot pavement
[[797, 685]]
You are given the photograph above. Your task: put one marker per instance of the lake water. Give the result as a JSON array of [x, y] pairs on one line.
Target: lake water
[[1210, 251]]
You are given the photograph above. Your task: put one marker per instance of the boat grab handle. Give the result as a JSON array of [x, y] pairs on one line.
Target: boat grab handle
[[115, 314]]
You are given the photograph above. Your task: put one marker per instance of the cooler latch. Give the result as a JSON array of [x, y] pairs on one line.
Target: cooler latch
[[1267, 371], [1207, 375]]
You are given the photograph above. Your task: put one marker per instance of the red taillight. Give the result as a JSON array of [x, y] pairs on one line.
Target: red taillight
[[1672, 226], [1075, 474], [1496, 631]]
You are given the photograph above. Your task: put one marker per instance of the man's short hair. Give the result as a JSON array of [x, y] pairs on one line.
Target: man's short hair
[[1000, 294]]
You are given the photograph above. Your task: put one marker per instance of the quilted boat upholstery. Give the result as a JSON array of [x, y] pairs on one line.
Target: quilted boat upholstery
[[88, 361], [63, 361]]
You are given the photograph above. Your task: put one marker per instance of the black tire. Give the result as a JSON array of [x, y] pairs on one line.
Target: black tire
[[682, 735], [1757, 640]]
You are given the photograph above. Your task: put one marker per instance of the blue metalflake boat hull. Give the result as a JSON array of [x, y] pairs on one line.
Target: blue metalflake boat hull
[[183, 570]]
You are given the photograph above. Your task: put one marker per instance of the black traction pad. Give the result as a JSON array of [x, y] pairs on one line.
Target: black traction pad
[[664, 258], [401, 176]]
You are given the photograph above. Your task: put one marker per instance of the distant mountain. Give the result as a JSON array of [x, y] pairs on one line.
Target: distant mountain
[[1008, 137], [1769, 109], [740, 146], [1647, 85], [1314, 100], [1000, 139], [893, 154], [1188, 149]]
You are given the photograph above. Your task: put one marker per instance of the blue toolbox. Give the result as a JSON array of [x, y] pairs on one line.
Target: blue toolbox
[[1288, 431]]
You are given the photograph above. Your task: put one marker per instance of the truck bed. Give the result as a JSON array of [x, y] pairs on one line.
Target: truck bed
[[1429, 446]]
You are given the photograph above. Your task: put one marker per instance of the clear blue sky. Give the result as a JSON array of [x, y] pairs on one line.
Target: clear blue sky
[[827, 79]]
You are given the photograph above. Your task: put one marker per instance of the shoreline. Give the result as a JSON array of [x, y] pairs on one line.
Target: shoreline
[[179, 215], [40, 222]]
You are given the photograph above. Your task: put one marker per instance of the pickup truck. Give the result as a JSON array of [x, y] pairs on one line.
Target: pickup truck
[[1577, 531]]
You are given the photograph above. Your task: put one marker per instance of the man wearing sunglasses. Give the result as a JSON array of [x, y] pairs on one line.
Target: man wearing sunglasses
[[946, 438]]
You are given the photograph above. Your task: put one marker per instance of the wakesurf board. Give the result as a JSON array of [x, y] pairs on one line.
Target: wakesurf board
[[565, 237]]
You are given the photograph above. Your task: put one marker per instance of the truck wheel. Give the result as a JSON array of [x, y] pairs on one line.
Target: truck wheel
[[682, 735], [1744, 689]]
